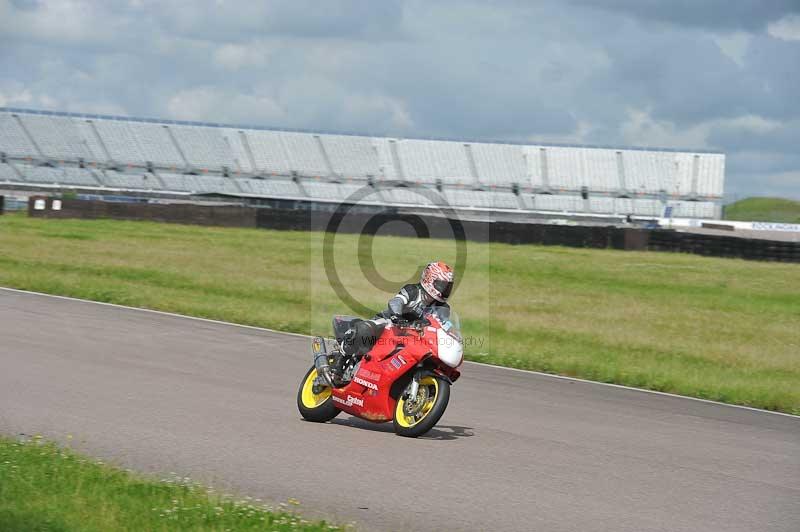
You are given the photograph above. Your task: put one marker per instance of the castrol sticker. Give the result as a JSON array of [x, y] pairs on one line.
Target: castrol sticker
[[350, 400]]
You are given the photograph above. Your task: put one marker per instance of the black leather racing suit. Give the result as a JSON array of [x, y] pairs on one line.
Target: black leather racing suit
[[409, 304]]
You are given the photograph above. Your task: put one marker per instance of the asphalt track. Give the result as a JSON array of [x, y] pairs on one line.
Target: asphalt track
[[514, 451]]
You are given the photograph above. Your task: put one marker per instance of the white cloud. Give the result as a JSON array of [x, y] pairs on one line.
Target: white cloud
[[734, 45], [787, 28], [233, 57], [579, 136], [209, 103], [15, 98], [751, 123], [368, 108], [64, 21], [95, 107], [641, 129]]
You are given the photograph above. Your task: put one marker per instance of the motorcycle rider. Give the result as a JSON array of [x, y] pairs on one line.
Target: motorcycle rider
[[433, 289]]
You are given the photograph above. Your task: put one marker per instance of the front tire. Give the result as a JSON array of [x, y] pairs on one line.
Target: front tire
[[415, 420], [316, 407]]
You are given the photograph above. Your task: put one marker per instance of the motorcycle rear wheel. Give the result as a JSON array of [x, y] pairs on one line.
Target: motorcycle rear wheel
[[425, 416], [316, 407]]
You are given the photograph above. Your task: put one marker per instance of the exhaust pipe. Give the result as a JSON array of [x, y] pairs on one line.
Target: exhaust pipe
[[320, 353]]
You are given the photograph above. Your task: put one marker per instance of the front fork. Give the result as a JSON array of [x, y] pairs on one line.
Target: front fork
[[414, 390], [320, 353]]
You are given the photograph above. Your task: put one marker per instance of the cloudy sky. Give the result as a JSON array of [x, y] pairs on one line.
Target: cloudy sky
[[714, 74]]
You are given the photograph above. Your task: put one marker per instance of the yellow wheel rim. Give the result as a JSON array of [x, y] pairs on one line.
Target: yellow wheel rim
[[311, 399], [409, 421]]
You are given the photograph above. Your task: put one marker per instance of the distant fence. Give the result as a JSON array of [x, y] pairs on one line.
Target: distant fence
[[423, 226], [184, 213]]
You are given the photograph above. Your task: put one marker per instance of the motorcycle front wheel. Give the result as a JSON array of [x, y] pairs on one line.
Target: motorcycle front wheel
[[415, 419], [317, 407]]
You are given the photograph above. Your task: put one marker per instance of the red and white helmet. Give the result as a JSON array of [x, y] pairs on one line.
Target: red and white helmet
[[437, 280]]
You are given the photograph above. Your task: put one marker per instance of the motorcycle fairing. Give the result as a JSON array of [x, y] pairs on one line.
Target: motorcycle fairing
[[384, 366]]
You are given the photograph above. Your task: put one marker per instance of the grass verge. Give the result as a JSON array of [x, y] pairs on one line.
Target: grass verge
[[718, 329], [764, 210], [44, 487]]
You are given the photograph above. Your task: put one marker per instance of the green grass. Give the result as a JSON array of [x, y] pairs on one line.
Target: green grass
[[44, 487], [764, 210], [719, 329]]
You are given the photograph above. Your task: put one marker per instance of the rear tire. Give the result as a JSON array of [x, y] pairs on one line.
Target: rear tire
[[316, 407], [428, 414]]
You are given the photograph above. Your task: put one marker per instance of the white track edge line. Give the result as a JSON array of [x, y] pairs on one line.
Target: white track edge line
[[529, 371], [153, 311], [632, 388]]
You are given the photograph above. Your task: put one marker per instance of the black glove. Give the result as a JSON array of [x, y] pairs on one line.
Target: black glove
[[399, 321]]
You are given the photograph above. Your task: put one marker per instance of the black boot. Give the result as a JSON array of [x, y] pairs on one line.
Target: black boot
[[347, 351]]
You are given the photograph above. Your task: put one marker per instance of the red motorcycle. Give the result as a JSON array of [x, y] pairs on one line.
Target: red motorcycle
[[405, 377]]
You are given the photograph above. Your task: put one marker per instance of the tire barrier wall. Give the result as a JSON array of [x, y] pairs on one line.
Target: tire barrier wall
[[438, 227], [2, 204], [724, 246], [435, 227]]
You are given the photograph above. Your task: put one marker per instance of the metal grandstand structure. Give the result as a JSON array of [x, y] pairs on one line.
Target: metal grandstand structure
[[85, 151]]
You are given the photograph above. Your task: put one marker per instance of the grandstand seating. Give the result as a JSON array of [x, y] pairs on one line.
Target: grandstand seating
[[141, 180], [279, 188], [648, 172], [682, 185], [389, 168], [196, 158], [324, 190], [499, 165], [468, 198], [481, 199], [40, 174], [242, 160], [204, 148], [504, 200], [647, 207], [48, 175], [351, 156], [565, 168], [428, 162], [452, 163], [268, 152], [601, 205], [57, 138], [7, 173], [13, 141], [78, 176], [426, 196], [711, 170], [561, 203], [694, 209], [305, 154], [197, 183], [119, 142], [600, 171], [93, 147]]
